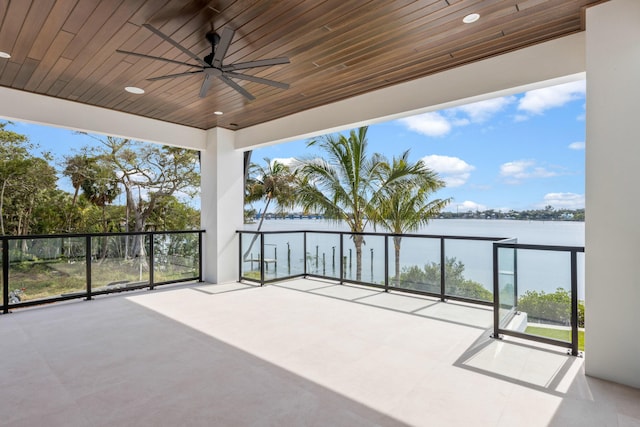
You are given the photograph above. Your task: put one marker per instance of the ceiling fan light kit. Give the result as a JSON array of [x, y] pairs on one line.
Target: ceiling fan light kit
[[212, 66]]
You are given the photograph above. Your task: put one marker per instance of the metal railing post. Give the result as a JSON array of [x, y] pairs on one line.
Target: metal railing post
[[200, 258], [239, 255], [574, 303], [304, 251], [496, 294], [87, 254], [386, 264], [341, 258], [515, 276], [261, 259], [5, 275], [443, 261], [151, 260]]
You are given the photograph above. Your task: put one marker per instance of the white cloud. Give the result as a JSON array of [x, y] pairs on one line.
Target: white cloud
[[518, 170], [563, 200], [452, 170], [579, 145], [482, 111], [539, 100], [468, 205], [287, 161], [429, 124], [440, 123]]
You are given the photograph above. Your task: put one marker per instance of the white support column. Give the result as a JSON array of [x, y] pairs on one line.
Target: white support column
[[612, 311], [222, 205]]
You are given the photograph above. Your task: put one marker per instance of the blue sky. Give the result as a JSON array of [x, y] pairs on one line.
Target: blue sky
[[517, 152], [524, 151]]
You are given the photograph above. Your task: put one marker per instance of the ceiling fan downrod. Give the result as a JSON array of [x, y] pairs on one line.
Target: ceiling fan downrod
[[214, 39]]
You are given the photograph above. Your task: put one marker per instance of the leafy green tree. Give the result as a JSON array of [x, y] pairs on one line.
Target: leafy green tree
[[428, 279], [51, 213], [172, 214], [13, 155], [148, 174], [346, 183], [553, 308], [78, 168], [24, 180], [404, 205], [100, 187]]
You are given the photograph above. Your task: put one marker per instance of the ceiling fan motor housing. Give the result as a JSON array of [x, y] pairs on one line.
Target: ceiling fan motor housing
[[212, 66]]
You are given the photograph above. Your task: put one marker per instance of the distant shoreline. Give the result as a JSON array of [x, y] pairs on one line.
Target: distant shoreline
[[271, 217]]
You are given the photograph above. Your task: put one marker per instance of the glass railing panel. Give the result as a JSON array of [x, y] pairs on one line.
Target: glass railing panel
[[414, 263], [468, 271], [544, 294], [283, 255], [323, 254], [250, 252], [507, 284], [175, 256], [119, 261], [46, 267], [369, 266]]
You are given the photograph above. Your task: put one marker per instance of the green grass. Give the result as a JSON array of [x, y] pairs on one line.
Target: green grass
[[558, 334], [50, 279]]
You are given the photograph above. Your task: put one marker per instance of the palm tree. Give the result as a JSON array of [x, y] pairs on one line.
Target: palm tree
[[77, 168], [346, 183], [404, 206], [100, 186], [272, 182]]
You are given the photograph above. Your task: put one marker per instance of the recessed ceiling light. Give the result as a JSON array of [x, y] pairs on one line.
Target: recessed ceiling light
[[133, 89], [218, 113], [4, 55], [472, 17]]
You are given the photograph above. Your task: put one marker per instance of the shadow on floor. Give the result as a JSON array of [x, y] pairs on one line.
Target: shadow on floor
[[116, 362], [474, 316]]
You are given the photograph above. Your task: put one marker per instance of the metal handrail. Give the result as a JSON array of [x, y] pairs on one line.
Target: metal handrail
[[498, 242], [88, 292], [498, 330], [443, 295]]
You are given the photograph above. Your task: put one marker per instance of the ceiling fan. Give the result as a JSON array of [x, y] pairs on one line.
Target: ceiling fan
[[211, 65]]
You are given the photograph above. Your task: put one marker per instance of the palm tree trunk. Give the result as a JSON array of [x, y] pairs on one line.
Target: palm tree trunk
[[255, 236], [357, 241], [69, 214], [396, 245]]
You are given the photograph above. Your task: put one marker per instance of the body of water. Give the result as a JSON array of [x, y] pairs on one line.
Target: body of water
[[537, 270]]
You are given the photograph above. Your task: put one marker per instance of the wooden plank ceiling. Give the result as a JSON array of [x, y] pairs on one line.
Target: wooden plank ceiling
[[337, 49]]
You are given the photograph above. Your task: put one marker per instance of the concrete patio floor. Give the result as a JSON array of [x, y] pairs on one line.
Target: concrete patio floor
[[297, 353]]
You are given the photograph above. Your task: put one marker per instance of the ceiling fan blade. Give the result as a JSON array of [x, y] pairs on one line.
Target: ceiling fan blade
[[206, 84], [253, 64], [175, 44], [142, 55], [222, 47], [258, 80], [237, 87], [170, 76]]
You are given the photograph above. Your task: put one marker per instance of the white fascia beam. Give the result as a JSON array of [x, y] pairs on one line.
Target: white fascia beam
[[33, 108], [554, 62]]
